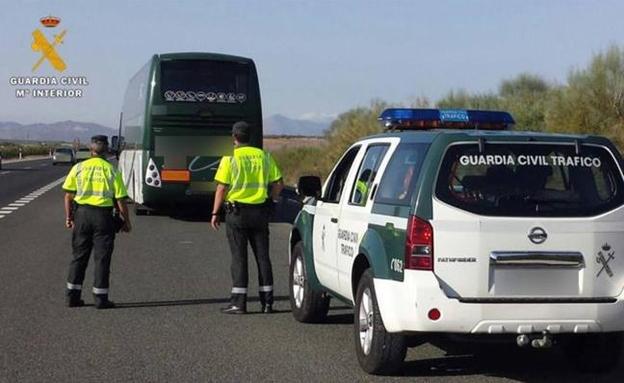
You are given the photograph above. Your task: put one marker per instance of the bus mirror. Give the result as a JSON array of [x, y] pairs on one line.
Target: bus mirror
[[309, 186]]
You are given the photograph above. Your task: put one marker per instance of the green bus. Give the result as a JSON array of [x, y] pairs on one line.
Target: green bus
[[176, 123]]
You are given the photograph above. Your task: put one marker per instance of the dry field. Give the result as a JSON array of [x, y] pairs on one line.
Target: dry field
[[275, 143]]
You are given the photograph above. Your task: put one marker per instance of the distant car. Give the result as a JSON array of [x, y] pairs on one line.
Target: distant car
[[63, 156], [83, 154]]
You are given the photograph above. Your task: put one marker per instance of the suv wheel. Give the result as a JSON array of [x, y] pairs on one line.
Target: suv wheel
[[594, 352], [378, 351], [307, 305]]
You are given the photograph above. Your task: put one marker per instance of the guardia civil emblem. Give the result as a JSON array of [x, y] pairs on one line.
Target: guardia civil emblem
[[46, 47], [604, 256]]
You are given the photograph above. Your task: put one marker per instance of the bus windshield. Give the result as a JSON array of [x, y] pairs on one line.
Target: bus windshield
[[204, 81]]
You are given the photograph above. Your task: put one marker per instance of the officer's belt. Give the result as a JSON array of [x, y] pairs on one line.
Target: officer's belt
[[231, 205], [85, 206]]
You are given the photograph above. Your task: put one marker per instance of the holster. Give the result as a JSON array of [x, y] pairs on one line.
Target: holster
[[232, 208]]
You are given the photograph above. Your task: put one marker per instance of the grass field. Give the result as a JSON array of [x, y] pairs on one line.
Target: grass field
[[11, 149], [298, 156], [277, 143]]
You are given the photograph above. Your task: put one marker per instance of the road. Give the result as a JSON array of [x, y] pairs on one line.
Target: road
[[170, 277]]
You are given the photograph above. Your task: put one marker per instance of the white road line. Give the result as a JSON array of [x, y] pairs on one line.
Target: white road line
[[23, 201], [5, 172]]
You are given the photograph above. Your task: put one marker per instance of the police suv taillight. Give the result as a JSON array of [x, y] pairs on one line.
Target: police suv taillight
[[419, 245]]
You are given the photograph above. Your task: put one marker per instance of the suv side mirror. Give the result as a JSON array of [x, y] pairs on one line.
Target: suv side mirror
[[309, 186]]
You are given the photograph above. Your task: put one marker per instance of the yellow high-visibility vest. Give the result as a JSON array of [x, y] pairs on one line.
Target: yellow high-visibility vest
[[248, 173], [95, 182]]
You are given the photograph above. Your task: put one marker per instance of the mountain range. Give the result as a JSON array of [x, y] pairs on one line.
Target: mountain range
[[56, 131], [279, 125], [275, 125]]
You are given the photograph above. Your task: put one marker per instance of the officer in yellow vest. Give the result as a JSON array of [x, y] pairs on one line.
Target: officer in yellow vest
[[249, 182], [93, 187]]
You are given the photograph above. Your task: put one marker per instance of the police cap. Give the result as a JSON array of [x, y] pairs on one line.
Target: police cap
[[100, 138]]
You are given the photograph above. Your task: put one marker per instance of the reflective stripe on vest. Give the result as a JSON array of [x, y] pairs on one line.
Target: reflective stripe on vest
[[97, 180], [236, 173]]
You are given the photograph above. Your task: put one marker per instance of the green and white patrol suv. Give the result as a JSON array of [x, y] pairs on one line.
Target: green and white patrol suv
[[449, 223]]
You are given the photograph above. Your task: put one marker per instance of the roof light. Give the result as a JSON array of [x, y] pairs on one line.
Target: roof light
[[403, 118]]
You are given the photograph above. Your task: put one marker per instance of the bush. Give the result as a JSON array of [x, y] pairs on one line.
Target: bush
[[11, 150], [592, 102]]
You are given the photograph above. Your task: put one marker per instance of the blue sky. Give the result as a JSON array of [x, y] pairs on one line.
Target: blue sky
[[314, 58]]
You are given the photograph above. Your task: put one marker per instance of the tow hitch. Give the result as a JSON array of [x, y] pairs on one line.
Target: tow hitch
[[545, 341]]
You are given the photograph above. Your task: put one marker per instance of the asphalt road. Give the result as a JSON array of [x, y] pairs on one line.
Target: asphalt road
[[170, 277], [20, 178]]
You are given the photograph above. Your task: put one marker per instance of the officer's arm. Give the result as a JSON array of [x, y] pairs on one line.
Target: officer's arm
[[219, 198], [69, 198], [276, 189], [122, 206]]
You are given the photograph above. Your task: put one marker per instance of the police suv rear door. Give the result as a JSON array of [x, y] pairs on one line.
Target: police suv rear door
[[356, 207], [529, 221]]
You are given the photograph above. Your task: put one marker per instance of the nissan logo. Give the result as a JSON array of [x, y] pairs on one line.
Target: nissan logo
[[537, 235]]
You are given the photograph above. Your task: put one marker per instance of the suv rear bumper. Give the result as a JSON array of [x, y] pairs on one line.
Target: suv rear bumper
[[404, 307]]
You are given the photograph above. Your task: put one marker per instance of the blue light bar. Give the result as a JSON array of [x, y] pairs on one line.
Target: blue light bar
[[440, 118]]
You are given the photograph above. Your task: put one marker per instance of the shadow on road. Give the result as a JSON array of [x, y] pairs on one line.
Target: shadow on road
[[339, 319], [286, 210], [189, 302], [503, 361]]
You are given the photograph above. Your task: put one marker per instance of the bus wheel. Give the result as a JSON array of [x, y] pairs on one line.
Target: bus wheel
[[140, 210]]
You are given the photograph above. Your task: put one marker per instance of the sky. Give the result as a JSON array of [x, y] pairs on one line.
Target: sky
[[315, 58]]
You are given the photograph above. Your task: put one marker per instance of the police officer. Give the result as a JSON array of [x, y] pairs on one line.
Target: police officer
[[249, 182], [93, 187]]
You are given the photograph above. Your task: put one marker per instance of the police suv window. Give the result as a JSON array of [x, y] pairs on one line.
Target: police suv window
[[366, 174], [338, 178], [399, 179], [530, 180]]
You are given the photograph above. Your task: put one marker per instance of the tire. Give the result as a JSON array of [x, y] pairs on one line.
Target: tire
[[378, 351], [596, 353], [53, 163], [139, 210], [307, 305]]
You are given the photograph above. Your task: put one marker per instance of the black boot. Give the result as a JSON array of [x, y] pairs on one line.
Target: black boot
[[72, 298], [102, 302], [233, 309], [266, 302], [238, 305], [267, 309]]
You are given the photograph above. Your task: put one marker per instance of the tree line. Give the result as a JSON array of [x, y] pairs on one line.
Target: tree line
[[591, 101]]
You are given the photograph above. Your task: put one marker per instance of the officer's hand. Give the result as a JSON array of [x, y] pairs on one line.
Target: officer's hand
[[69, 223], [127, 227], [214, 222]]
